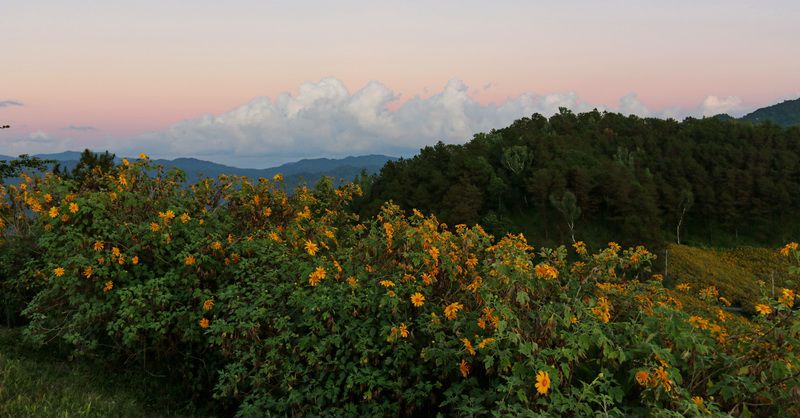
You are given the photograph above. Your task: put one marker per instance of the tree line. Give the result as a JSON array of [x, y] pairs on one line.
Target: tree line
[[600, 176]]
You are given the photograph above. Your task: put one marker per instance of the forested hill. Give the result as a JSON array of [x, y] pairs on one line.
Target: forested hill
[[786, 113], [611, 177]]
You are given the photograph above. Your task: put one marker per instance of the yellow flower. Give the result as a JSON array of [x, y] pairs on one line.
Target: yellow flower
[[216, 245], [189, 260], [434, 252], [274, 236], [464, 368], [542, 382], [98, 246], [115, 251], [135, 260], [386, 283], [166, 216], [417, 299], [203, 323], [614, 247], [73, 207], [792, 246], [472, 262], [53, 212], [143, 156], [277, 178], [185, 218], [87, 272], [580, 247], [642, 377], [485, 341], [267, 211], [698, 401], [125, 162], [787, 297], [352, 281], [316, 276], [208, 304], [545, 271], [58, 271], [468, 346], [154, 227], [763, 309], [48, 198], [683, 287], [311, 248], [109, 285], [403, 330], [451, 310]]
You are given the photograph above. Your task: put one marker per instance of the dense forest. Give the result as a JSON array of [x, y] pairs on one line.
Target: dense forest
[[600, 176]]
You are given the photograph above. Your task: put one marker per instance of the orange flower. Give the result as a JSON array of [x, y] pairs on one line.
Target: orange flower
[[154, 227], [468, 346], [73, 207], [464, 368], [53, 212], [683, 287], [208, 304], [580, 247], [98, 246], [87, 272], [185, 218], [189, 260], [311, 248], [386, 283], [763, 309], [316, 276], [485, 341], [58, 271], [542, 382], [216, 245], [135, 260], [109, 285], [417, 299], [204, 323], [451, 310], [546, 271], [642, 377], [403, 330]]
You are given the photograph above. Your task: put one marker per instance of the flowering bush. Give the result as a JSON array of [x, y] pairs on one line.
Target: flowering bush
[[289, 304]]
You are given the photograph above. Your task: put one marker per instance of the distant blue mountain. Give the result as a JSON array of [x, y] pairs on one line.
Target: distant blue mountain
[[304, 171]]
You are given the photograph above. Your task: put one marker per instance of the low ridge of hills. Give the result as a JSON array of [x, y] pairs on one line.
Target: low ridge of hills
[[786, 113], [302, 171]]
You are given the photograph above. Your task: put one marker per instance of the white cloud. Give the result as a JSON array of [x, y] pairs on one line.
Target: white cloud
[[325, 119], [713, 105]]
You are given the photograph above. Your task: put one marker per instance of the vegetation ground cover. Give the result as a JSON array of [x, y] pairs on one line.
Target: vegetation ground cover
[[282, 303]]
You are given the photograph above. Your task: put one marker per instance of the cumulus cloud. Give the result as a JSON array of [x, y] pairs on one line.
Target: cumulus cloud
[[324, 118], [80, 128], [7, 103], [713, 105]]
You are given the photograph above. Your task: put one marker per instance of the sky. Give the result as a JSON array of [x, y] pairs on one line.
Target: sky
[[258, 83]]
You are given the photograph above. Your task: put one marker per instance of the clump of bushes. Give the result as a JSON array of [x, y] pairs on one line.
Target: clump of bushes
[[289, 304]]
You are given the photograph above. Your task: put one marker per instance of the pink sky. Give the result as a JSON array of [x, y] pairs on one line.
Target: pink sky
[[126, 69]]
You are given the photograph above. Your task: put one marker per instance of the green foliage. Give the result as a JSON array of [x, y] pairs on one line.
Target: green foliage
[[786, 113], [290, 304], [37, 384], [638, 180], [15, 167], [740, 274]]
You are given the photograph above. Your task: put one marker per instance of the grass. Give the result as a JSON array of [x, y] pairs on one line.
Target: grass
[[38, 383], [736, 272]]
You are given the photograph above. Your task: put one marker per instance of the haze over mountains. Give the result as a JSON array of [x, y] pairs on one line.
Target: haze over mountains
[[306, 170]]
